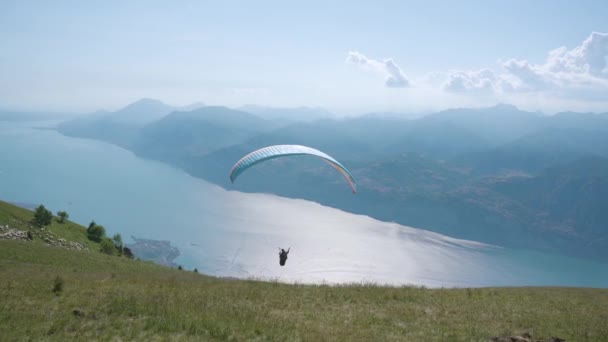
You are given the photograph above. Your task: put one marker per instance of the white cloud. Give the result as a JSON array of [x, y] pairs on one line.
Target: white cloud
[[588, 58], [459, 81], [579, 73], [568, 79], [527, 77], [395, 78]]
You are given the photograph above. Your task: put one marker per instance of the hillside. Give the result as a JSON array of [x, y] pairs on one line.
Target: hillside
[[110, 298], [551, 194], [13, 218], [535, 152], [497, 125]]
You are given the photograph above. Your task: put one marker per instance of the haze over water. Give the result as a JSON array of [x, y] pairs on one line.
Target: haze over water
[[228, 233]]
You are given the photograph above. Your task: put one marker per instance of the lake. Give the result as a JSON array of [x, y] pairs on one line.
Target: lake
[[233, 234]]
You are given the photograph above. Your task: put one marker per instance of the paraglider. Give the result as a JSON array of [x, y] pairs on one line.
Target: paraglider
[[283, 256], [278, 151]]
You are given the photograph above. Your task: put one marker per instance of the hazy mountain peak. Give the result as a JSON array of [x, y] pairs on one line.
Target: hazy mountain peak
[[140, 112], [217, 114], [192, 106], [146, 104], [503, 107], [301, 113]]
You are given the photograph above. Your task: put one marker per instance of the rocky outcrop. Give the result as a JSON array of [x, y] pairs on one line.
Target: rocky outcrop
[[525, 337], [7, 233], [49, 238]]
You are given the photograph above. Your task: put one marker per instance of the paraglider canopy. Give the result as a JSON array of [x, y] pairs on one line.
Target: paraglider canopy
[[277, 151]]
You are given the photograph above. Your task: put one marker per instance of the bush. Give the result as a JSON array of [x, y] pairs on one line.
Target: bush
[[96, 232], [58, 285], [42, 217], [107, 247], [126, 251], [30, 235], [180, 267], [117, 240], [63, 215], [196, 270]]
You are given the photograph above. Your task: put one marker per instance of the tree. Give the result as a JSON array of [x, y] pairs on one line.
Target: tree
[[96, 233], [42, 217], [107, 246], [92, 224], [117, 239], [63, 215], [126, 251]]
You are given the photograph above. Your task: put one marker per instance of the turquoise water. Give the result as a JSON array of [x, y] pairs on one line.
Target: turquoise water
[[228, 233]]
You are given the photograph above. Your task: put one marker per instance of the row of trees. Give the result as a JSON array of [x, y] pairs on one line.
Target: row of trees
[[44, 217], [111, 246], [95, 232]]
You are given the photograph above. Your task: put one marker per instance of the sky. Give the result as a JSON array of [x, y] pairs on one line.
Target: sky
[[345, 56]]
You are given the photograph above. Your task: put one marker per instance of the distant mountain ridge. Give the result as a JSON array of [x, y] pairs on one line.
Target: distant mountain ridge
[[141, 112], [21, 116], [192, 134], [120, 127], [478, 174], [291, 114]]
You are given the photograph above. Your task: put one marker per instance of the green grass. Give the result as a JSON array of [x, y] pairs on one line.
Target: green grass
[[123, 299]]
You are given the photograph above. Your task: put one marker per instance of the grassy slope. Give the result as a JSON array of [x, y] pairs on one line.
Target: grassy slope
[[19, 218], [137, 300]]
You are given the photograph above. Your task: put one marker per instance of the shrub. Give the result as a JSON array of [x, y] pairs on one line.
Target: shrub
[[117, 240], [58, 285], [107, 247], [196, 270], [180, 267], [126, 251], [96, 233], [42, 217], [63, 215]]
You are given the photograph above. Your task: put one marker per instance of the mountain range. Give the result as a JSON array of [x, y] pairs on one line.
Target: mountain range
[[499, 175]]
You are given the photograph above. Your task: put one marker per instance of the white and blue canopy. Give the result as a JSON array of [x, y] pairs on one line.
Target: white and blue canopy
[[278, 151]]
